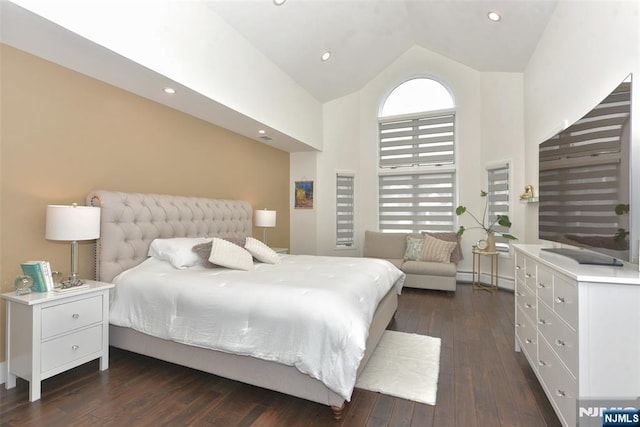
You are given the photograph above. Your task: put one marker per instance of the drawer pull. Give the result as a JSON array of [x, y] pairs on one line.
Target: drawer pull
[[542, 363], [560, 393], [560, 343], [75, 315], [542, 285], [542, 321], [518, 325], [75, 347], [528, 275], [528, 305], [518, 267], [528, 341], [560, 300]]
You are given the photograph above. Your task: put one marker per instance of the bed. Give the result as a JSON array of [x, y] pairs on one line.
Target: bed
[[130, 222]]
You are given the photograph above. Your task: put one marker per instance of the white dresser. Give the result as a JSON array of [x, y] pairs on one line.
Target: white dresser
[[49, 333], [579, 328]]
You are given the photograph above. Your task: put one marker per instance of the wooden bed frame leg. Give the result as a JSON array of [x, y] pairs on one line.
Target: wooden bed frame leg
[[338, 411]]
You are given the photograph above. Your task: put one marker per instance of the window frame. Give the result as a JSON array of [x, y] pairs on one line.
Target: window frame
[[502, 245], [352, 212], [420, 169]]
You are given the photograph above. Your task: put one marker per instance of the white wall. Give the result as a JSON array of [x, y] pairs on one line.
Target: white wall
[[489, 128], [587, 49]]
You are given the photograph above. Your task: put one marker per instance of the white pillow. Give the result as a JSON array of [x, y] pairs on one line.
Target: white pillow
[[177, 251], [261, 252], [227, 254]]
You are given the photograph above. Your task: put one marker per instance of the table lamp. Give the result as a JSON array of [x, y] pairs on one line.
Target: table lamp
[[72, 223], [266, 219]]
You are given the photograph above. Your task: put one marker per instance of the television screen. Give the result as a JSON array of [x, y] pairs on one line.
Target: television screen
[[584, 179]]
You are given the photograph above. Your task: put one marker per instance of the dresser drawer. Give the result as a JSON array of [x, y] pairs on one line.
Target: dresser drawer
[[67, 348], [520, 260], [565, 300], [527, 336], [544, 286], [562, 339], [66, 317], [530, 272], [561, 388], [526, 300]]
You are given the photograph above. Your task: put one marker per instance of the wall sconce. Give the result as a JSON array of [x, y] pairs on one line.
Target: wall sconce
[[266, 219]]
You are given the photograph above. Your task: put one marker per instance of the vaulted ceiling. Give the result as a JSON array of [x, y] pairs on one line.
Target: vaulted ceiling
[[365, 36]]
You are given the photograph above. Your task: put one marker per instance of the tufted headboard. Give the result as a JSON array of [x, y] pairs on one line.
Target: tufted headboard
[[130, 222]]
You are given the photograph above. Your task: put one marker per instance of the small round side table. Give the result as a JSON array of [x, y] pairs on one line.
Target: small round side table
[[477, 270]]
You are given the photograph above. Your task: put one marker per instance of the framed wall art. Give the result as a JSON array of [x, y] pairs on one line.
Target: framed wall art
[[303, 195]]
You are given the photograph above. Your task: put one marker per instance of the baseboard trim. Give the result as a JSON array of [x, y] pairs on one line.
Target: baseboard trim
[[503, 282]]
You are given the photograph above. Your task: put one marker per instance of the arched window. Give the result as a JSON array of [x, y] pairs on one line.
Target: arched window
[[417, 158], [417, 96]]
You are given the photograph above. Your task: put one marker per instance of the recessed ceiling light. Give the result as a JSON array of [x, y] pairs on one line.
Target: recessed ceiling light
[[262, 131], [325, 56], [494, 16], [279, 2], [169, 90]]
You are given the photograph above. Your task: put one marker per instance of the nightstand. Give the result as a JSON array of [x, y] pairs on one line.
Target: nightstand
[[49, 333], [281, 250]]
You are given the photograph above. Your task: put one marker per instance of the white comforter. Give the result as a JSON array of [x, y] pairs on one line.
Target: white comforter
[[309, 312]]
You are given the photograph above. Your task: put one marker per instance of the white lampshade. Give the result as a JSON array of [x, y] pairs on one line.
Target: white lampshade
[[265, 218], [72, 223]]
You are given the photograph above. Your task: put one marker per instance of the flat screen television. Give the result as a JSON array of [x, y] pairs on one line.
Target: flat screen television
[[584, 183]]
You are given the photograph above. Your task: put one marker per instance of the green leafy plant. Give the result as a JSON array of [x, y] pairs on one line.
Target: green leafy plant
[[483, 222], [622, 234]]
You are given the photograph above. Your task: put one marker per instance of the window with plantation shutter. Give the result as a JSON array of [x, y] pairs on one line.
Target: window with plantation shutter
[[345, 231], [498, 201], [417, 140], [413, 203], [416, 152]]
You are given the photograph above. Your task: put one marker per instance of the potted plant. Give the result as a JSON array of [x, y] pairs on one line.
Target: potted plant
[[487, 225]]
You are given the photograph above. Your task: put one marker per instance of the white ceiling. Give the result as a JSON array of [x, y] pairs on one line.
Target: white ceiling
[[365, 36]]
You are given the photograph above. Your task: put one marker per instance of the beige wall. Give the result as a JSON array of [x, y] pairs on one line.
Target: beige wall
[[64, 134]]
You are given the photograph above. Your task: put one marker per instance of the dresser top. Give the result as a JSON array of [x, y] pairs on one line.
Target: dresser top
[[625, 275]]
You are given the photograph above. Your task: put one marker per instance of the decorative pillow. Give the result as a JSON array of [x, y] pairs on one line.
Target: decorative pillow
[[177, 251], [414, 248], [261, 252], [203, 250], [450, 236], [437, 250], [229, 255]]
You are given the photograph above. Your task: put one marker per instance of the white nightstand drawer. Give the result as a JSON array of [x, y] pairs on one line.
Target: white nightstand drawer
[[66, 317], [60, 351]]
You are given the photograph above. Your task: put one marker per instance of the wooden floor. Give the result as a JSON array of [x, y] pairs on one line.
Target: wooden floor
[[483, 382]]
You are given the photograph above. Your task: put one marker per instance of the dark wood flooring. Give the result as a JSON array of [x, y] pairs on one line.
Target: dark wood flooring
[[483, 382]]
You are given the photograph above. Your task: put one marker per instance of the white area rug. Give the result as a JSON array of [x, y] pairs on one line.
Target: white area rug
[[404, 365]]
